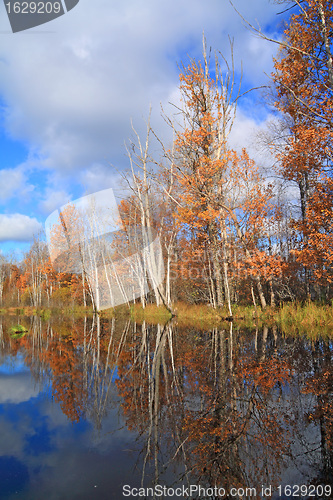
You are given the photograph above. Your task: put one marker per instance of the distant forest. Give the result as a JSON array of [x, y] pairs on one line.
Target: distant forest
[[230, 232]]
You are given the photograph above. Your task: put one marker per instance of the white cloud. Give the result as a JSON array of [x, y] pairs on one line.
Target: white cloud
[[69, 90], [13, 183], [54, 199], [17, 389], [246, 133], [100, 176], [18, 227], [71, 93]]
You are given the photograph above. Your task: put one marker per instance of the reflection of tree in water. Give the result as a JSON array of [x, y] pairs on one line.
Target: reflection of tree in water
[[149, 384], [320, 384], [237, 433], [209, 401], [223, 403], [64, 361], [224, 407], [77, 358], [83, 365]]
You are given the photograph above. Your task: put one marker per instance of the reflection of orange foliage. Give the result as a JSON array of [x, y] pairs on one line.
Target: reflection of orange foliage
[[66, 365], [134, 389], [237, 413], [321, 385], [209, 398], [56, 352], [220, 412], [267, 374]]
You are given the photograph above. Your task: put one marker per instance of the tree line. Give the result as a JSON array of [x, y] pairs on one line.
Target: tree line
[[228, 233]]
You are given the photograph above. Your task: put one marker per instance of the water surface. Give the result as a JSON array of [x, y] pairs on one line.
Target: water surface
[[90, 408]]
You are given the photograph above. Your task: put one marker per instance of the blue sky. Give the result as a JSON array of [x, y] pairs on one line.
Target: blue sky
[[69, 89]]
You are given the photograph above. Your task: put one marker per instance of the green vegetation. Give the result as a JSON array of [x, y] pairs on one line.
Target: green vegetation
[[310, 319], [18, 331], [151, 313], [292, 318]]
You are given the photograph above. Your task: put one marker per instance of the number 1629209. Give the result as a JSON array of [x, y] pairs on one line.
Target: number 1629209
[[304, 490], [33, 7]]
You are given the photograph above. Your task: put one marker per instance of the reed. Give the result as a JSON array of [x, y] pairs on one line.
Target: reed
[[311, 319], [151, 313], [196, 315]]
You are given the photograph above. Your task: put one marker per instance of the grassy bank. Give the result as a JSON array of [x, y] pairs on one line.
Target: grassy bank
[[46, 313], [191, 315], [290, 318], [310, 319]]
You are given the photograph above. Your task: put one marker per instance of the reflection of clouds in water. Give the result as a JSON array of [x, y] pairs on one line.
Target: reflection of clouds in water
[[38, 441], [56, 418], [12, 436], [101, 474], [17, 388], [92, 459]]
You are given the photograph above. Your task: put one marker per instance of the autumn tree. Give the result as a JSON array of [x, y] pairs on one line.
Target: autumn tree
[[147, 216], [78, 247], [303, 79], [3, 275], [218, 188], [33, 270]]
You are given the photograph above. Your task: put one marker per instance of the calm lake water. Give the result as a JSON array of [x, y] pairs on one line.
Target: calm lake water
[[91, 409]]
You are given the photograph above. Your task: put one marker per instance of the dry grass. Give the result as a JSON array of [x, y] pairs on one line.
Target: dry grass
[[151, 313], [310, 319], [187, 315]]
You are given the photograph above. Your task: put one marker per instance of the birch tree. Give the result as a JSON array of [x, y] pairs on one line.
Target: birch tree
[[214, 180]]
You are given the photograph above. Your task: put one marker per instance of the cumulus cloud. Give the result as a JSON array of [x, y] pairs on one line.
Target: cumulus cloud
[[72, 93], [246, 133], [54, 199], [17, 388], [69, 90], [99, 176], [18, 227], [13, 182]]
